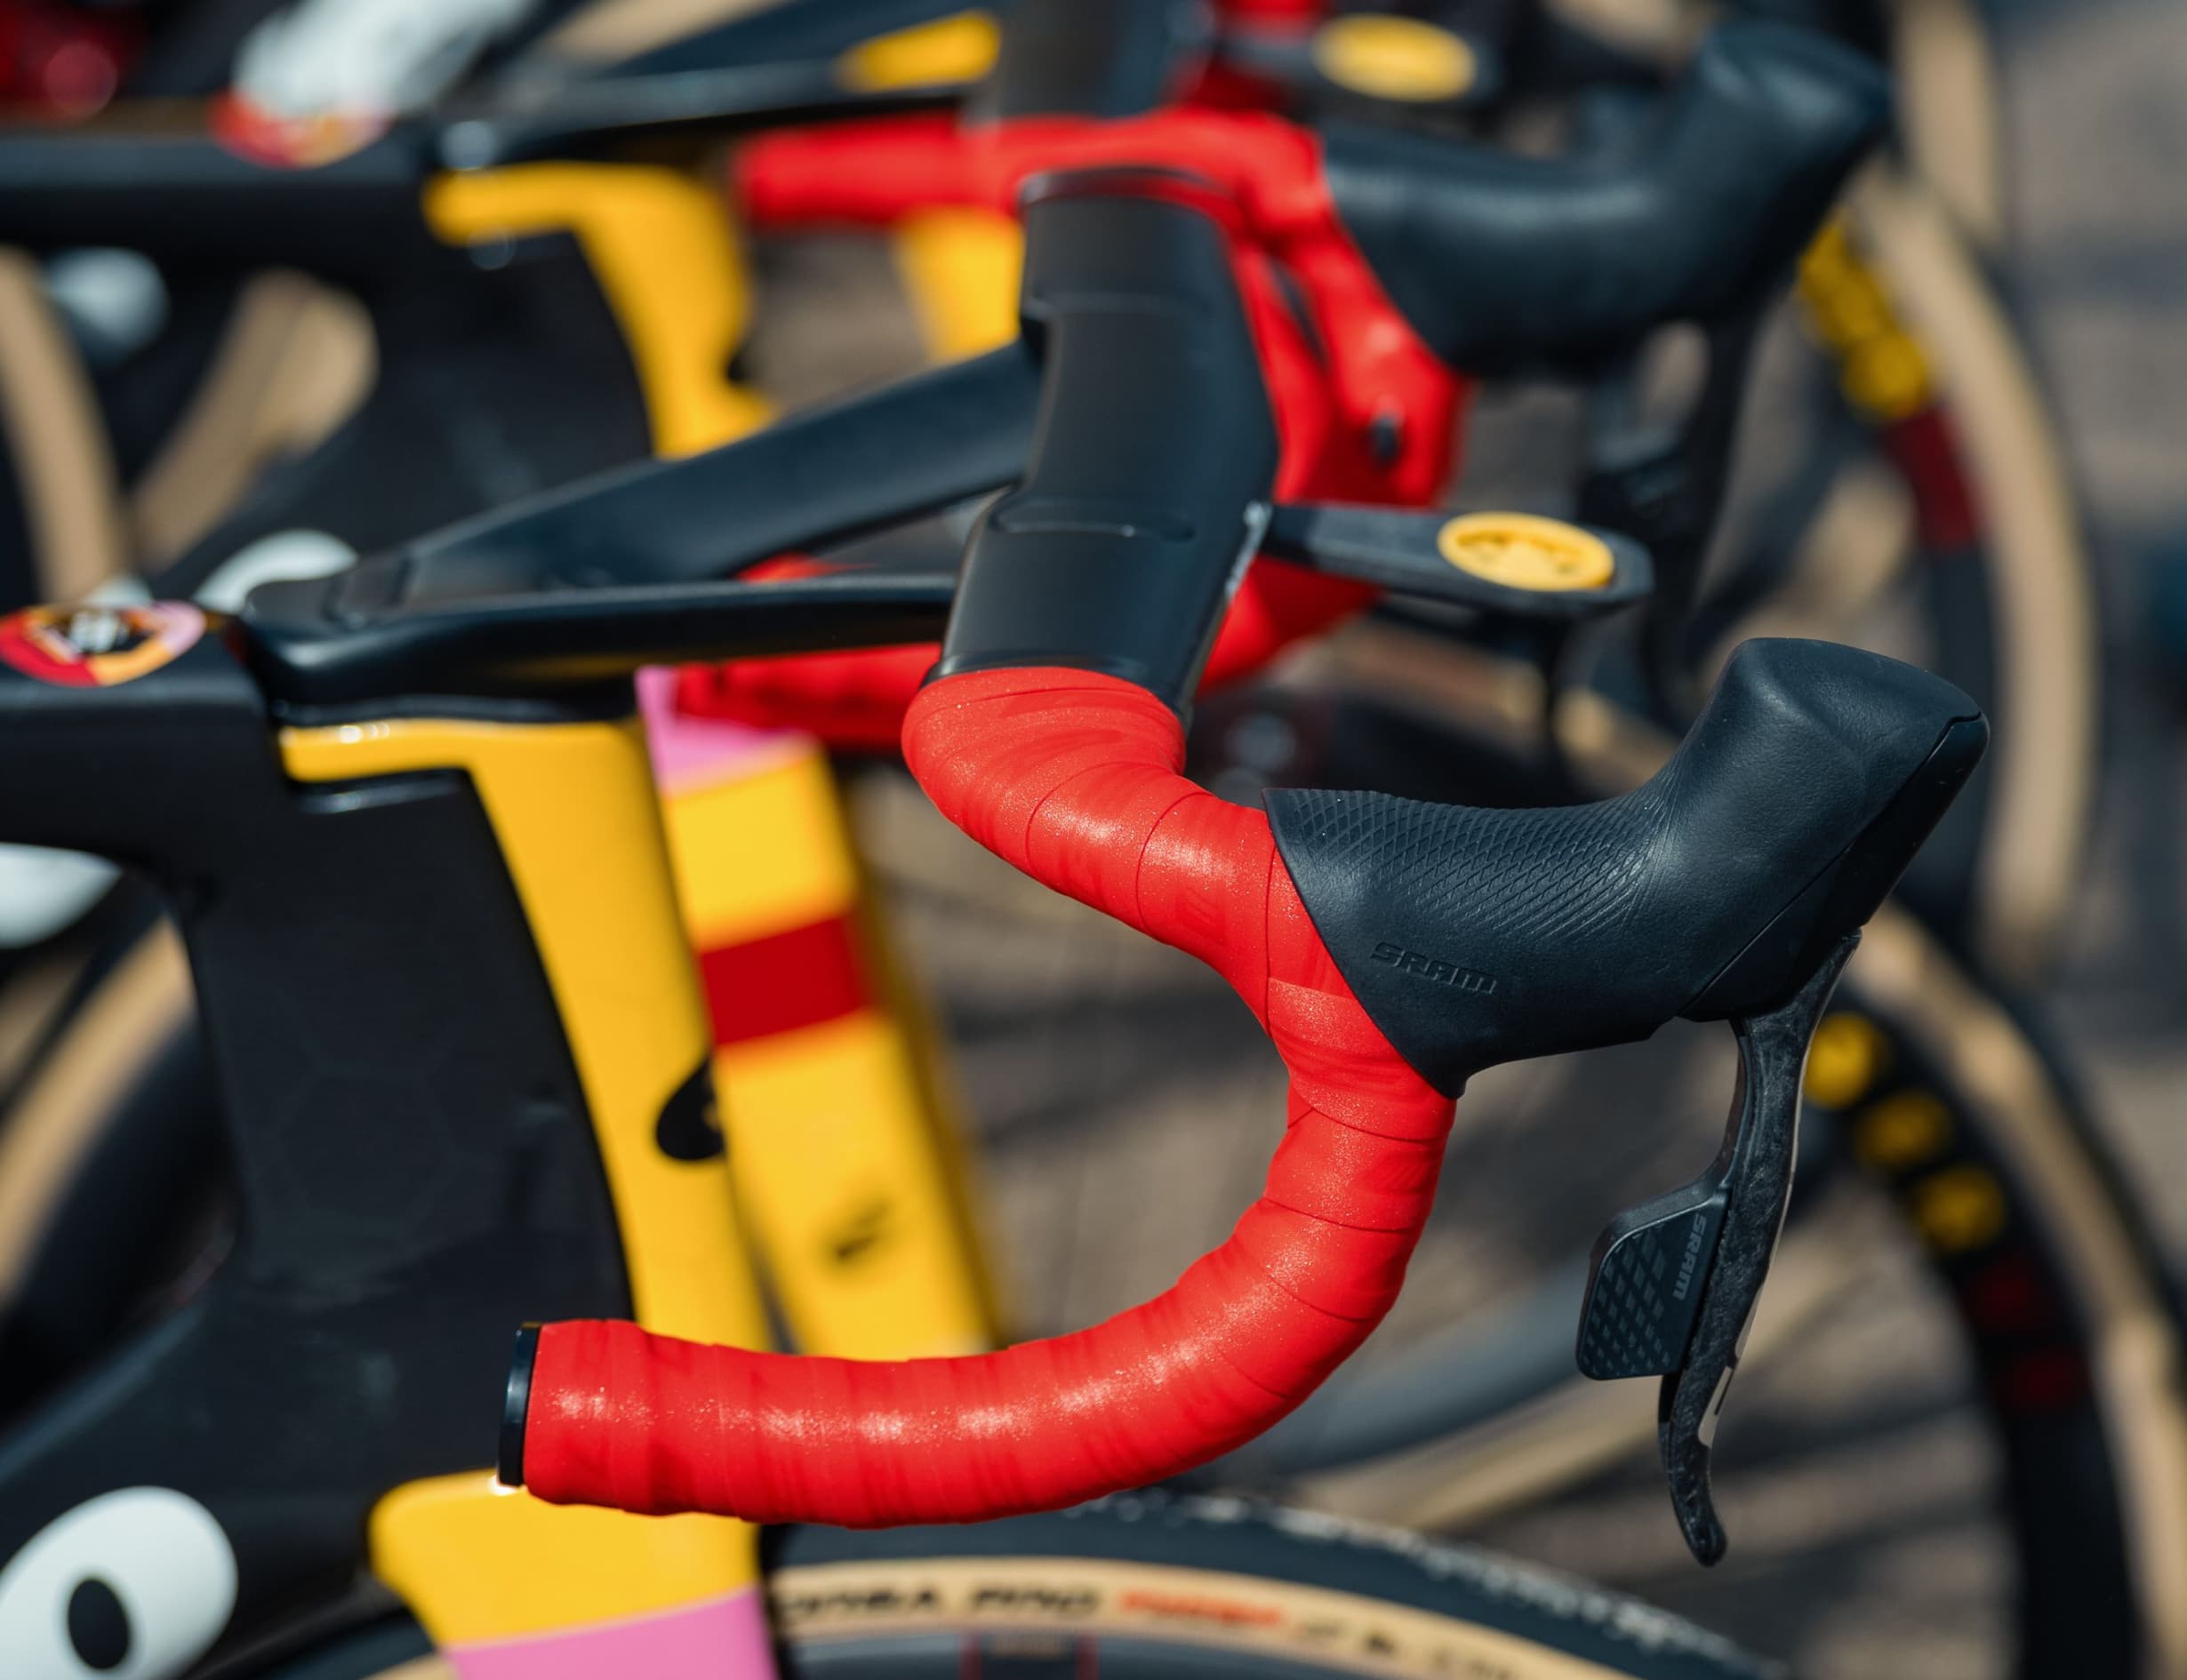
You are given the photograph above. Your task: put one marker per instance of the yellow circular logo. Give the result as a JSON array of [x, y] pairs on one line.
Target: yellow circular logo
[[1392, 57], [1522, 551], [1844, 1059]]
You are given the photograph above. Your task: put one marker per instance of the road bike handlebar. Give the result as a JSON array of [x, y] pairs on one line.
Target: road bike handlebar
[[1410, 257], [1572, 258], [1389, 950]]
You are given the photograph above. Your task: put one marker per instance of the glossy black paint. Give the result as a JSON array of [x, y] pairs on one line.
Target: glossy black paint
[[408, 1136]]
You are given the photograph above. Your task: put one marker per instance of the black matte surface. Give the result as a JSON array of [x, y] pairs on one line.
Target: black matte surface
[[575, 587], [1153, 449], [1505, 262], [814, 479], [1474, 937], [182, 197], [1753, 1177]]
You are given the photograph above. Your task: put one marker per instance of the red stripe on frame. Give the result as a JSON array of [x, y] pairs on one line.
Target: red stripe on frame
[[802, 978]]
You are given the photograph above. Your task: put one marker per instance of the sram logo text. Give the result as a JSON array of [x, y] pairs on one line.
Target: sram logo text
[[1430, 968]]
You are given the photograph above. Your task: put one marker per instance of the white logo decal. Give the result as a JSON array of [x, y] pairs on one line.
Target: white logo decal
[[133, 1585], [285, 557], [42, 891]]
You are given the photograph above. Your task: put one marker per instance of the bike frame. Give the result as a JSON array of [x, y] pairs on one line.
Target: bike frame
[[506, 1585], [696, 1587]]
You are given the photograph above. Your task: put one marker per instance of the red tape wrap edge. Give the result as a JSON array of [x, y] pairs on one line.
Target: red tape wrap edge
[[1073, 778]]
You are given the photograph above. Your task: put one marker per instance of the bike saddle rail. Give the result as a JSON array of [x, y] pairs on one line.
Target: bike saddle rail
[[1390, 949]]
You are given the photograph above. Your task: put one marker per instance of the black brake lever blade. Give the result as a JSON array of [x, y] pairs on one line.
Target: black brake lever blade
[[1513, 565], [1673, 1283]]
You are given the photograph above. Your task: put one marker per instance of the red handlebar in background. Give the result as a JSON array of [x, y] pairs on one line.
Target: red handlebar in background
[[1073, 777], [1387, 404], [1363, 410]]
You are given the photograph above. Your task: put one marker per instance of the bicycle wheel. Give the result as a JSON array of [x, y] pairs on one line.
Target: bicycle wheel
[[1912, 1489], [1150, 1585], [2006, 584], [1946, 1101]]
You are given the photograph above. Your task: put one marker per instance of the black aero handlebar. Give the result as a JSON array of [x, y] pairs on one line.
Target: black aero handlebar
[[1155, 454]]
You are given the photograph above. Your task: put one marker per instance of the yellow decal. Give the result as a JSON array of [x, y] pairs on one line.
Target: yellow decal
[[961, 268], [762, 852], [666, 256], [1882, 369], [1961, 1208], [477, 1561], [1383, 57], [1848, 1052], [1902, 1131], [836, 1167], [950, 50], [841, 1153], [1522, 551]]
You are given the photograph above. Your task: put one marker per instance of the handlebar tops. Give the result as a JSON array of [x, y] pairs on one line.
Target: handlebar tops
[[1389, 950]]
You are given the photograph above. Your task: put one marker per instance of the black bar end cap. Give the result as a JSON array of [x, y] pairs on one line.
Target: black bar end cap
[[516, 1407]]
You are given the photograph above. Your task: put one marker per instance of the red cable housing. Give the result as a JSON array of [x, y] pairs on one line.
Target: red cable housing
[[1074, 777]]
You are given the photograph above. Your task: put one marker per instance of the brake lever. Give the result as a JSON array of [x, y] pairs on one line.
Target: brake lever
[[1673, 1283], [1511, 565]]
